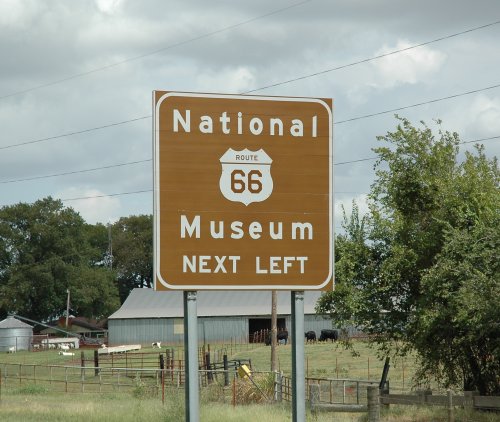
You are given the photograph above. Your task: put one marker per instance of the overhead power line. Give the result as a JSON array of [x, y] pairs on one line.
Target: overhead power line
[[77, 132], [151, 190], [474, 141], [256, 89], [475, 91], [369, 59], [479, 140], [107, 195], [67, 134], [355, 161], [151, 53], [67, 173], [340, 163]]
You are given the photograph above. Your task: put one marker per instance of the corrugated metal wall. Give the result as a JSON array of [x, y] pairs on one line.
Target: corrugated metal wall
[[171, 330], [210, 329], [223, 330], [317, 323], [20, 338]]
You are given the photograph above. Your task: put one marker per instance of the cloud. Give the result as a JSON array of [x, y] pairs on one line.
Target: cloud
[[232, 80], [18, 13], [108, 6], [479, 117], [485, 113], [95, 208], [408, 67], [221, 46]]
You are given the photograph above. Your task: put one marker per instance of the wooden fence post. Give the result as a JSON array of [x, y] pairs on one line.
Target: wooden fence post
[[96, 363], [226, 370], [207, 366], [469, 400], [82, 370], [451, 416], [278, 387], [163, 386], [313, 396], [234, 391], [373, 403]]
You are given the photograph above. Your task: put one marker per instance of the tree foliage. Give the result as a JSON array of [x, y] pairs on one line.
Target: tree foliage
[[132, 239], [47, 249], [408, 271], [460, 309]]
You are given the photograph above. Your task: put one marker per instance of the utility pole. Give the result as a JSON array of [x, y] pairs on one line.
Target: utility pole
[[110, 247], [274, 329], [67, 308]]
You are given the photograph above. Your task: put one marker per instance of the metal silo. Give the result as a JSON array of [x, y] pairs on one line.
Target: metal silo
[[15, 333]]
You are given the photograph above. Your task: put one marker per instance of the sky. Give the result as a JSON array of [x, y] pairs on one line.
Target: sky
[[76, 82]]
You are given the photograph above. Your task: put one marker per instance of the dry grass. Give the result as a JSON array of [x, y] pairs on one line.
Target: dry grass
[[125, 408], [331, 360], [38, 403]]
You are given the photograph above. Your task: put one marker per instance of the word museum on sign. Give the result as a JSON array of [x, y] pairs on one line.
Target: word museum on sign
[[192, 228]]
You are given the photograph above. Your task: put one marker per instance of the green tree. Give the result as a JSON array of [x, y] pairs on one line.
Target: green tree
[[460, 309], [132, 243], [46, 249], [94, 293], [356, 264], [423, 200]]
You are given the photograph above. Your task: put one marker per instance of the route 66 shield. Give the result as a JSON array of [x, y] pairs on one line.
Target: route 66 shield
[[246, 176]]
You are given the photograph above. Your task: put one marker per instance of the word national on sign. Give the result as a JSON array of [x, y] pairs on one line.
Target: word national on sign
[[273, 126]]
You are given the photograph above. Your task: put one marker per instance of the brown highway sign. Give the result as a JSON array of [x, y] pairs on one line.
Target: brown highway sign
[[243, 195]]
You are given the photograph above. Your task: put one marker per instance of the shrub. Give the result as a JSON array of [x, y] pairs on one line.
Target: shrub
[[31, 389]]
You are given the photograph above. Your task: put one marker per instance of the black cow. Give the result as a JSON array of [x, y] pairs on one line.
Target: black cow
[[333, 335], [310, 336], [281, 337]]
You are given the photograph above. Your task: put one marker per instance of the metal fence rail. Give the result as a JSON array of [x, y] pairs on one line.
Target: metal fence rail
[[331, 390], [78, 378], [91, 379], [153, 381]]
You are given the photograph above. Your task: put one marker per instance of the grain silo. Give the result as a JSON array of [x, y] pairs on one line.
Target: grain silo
[[15, 333]]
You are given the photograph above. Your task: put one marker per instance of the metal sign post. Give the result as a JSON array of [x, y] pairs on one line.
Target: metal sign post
[[191, 357], [298, 383]]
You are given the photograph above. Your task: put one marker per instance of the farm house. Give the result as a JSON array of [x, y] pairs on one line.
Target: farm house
[[223, 316]]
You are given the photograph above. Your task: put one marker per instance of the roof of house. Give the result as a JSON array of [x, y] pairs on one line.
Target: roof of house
[[148, 303], [84, 323], [73, 324]]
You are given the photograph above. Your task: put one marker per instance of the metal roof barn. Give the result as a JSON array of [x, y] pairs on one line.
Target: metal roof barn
[[147, 316], [15, 334]]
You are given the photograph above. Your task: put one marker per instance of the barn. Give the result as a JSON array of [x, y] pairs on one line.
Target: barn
[[147, 316]]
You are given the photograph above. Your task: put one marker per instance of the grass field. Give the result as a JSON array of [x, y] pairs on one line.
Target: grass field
[[31, 402], [327, 360], [40, 407]]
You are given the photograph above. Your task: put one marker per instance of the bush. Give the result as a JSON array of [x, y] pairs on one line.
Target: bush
[[31, 389], [257, 389], [142, 390]]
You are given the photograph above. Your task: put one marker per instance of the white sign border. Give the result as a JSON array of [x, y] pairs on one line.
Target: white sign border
[[156, 183]]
